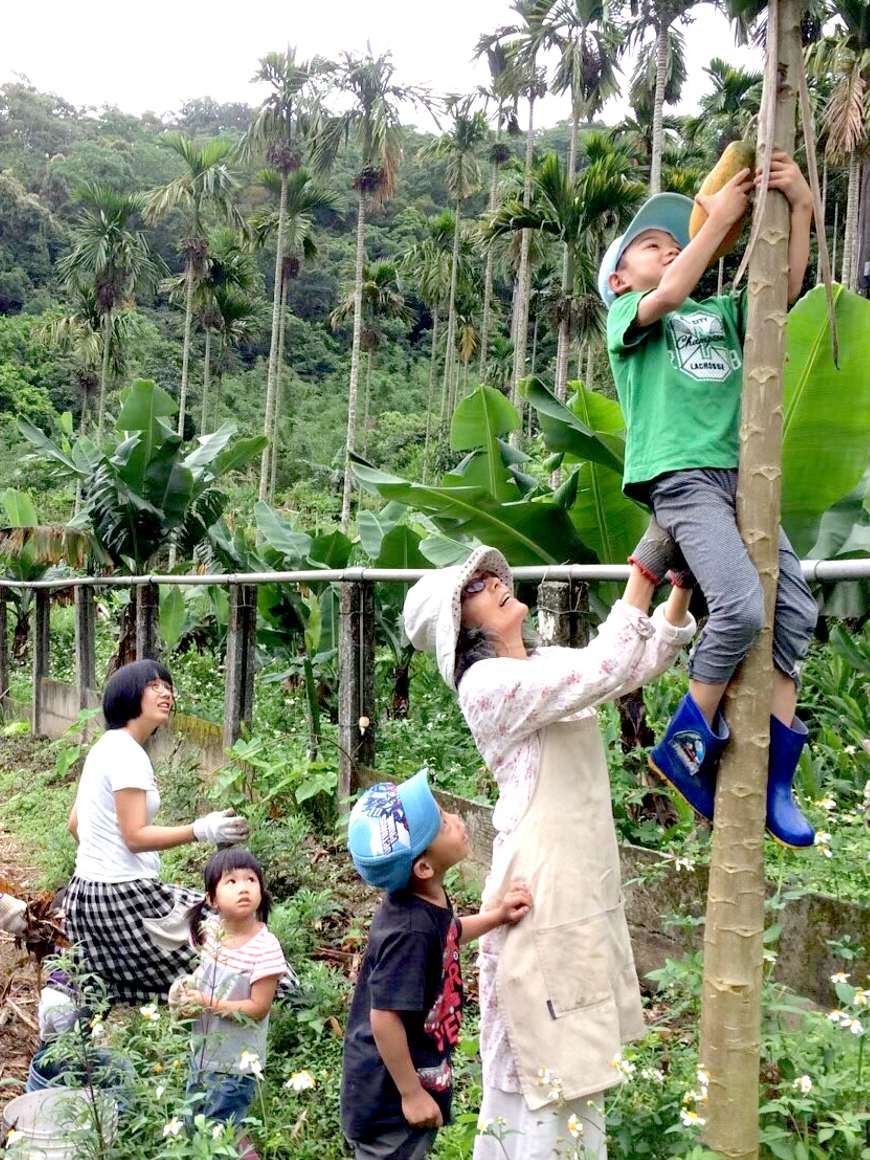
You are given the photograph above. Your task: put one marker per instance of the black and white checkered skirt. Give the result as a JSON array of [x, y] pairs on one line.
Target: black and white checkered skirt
[[105, 920]]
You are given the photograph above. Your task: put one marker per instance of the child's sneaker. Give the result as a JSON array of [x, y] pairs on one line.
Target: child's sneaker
[[688, 755]]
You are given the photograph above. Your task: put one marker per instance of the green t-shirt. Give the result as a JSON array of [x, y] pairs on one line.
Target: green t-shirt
[[679, 383]]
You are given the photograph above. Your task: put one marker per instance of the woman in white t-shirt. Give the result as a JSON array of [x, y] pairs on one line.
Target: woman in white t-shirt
[[123, 919]]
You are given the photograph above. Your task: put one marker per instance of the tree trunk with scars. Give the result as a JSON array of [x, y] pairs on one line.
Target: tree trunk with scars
[[279, 389], [353, 387], [449, 371], [733, 947], [185, 350], [850, 232], [655, 169], [206, 380], [269, 410], [523, 278]]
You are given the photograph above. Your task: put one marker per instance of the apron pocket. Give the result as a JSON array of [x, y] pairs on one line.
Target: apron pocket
[[575, 962]]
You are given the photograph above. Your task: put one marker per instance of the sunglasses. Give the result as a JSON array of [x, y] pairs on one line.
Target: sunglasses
[[476, 585]]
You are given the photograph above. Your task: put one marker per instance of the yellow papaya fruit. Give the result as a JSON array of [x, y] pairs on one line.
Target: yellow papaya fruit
[[738, 155]]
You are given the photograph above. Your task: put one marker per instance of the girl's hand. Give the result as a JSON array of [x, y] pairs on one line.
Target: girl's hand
[[786, 176], [516, 903]]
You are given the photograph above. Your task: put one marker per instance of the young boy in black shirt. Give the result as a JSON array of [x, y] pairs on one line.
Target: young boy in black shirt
[[404, 1020]]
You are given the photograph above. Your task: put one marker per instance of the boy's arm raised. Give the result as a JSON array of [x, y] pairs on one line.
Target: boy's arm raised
[[681, 277]]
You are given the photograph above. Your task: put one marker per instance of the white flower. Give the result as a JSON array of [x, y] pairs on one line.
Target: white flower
[[250, 1061], [575, 1127], [624, 1066], [837, 1016], [769, 956], [850, 749], [854, 1025], [98, 1028], [654, 1074], [691, 1119], [174, 1127], [826, 803], [217, 1131], [804, 1084], [159, 1090], [703, 1078], [300, 1081], [483, 1124], [150, 1013], [363, 724], [684, 864], [822, 837], [840, 977], [861, 998]]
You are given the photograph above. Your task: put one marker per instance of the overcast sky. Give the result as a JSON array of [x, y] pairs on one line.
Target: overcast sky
[[158, 54]]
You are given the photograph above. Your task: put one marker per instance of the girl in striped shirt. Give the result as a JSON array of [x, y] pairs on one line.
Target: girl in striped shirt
[[232, 989]]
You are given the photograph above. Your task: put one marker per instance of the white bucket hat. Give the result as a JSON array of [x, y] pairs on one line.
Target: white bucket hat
[[433, 607]]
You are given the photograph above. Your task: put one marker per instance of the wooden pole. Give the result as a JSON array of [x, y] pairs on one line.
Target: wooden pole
[[4, 653], [86, 669], [356, 690], [731, 1007]]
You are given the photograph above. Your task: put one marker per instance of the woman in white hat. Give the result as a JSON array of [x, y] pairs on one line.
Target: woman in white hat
[[558, 993]]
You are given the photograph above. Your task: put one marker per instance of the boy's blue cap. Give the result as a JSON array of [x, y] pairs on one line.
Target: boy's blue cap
[[390, 827], [664, 211]]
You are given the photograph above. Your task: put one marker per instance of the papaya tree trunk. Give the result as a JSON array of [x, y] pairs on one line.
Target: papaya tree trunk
[[733, 946], [353, 387], [269, 410], [655, 167], [588, 382], [836, 232]]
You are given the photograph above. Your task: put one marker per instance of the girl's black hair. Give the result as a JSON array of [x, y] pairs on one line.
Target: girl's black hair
[[122, 696], [233, 858]]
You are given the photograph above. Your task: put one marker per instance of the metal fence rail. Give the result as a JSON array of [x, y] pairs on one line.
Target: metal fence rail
[[828, 570]]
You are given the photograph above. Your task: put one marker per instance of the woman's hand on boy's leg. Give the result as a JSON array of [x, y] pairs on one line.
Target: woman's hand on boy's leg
[[655, 553], [786, 176]]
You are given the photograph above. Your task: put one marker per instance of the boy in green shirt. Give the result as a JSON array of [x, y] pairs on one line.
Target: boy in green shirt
[[678, 368]]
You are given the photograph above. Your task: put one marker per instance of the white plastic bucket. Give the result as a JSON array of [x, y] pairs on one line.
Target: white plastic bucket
[[46, 1123]]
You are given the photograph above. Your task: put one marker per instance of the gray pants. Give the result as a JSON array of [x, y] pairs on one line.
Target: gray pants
[[405, 1143], [697, 507]]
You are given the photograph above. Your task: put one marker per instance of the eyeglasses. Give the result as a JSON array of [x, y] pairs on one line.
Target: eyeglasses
[[161, 687]]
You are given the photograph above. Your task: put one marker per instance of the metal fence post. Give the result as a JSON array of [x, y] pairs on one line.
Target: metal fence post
[[147, 622], [41, 654], [356, 684], [86, 634], [239, 666]]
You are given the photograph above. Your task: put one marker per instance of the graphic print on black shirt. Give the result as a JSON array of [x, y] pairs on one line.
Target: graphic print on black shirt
[[412, 967]]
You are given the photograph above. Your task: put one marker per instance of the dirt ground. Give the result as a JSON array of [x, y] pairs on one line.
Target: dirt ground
[[18, 985]]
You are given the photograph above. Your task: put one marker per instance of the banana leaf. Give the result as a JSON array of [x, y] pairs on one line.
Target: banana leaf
[[593, 433], [478, 421], [826, 419]]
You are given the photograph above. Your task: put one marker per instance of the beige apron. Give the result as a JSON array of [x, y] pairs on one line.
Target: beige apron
[[566, 984]]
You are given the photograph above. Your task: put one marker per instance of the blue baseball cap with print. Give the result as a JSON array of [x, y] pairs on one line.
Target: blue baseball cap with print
[[664, 211], [390, 827]]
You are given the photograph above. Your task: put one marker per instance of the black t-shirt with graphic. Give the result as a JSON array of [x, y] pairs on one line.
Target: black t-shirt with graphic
[[411, 966]]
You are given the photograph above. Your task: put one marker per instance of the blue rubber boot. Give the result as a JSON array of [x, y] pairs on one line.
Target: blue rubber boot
[[688, 755], [785, 822]]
